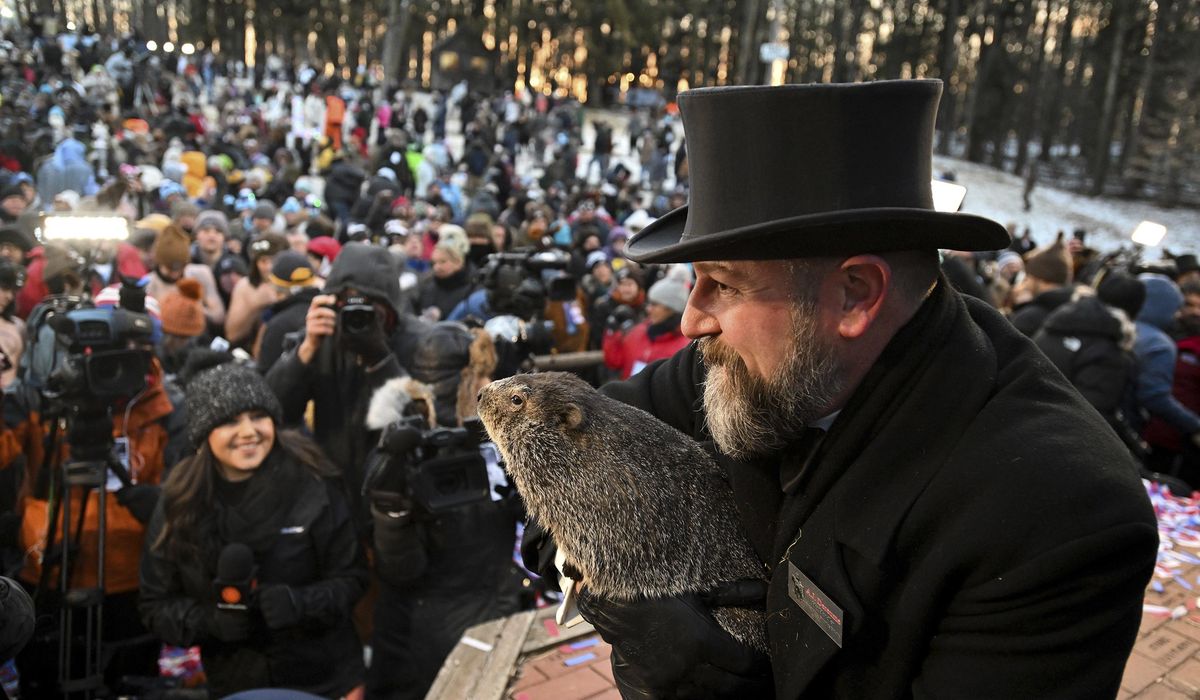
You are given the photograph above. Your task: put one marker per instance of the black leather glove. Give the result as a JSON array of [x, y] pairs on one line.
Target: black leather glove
[[537, 552], [674, 648], [140, 500], [278, 606], [227, 625]]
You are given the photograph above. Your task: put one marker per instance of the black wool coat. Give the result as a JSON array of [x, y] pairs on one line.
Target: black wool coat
[[972, 526]]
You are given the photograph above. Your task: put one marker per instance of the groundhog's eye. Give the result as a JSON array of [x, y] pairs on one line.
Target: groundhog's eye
[[517, 400]]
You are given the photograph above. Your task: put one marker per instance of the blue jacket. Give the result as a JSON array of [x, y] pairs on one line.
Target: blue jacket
[[1156, 354]]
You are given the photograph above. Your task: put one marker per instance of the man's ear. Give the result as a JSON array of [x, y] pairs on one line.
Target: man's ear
[[865, 283]]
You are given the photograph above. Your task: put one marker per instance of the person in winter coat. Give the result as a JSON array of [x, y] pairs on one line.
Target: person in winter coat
[[1091, 343], [251, 486], [1170, 448], [1047, 286], [452, 281], [1156, 355], [140, 424], [296, 284], [658, 337], [67, 169], [442, 572], [340, 369], [937, 512]]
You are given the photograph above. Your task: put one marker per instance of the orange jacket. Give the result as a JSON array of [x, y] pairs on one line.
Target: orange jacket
[[123, 546]]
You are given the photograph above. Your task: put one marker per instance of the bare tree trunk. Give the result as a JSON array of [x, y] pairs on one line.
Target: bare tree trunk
[[1122, 16], [947, 61], [1053, 115], [1129, 141], [398, 22], [1025, 129]]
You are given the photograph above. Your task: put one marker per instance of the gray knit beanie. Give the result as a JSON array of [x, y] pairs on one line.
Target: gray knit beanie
[[219, 394], [212, 218]]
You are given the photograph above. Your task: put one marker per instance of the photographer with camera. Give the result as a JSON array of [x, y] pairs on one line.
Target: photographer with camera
[[443, 516], [252, 553], [357, 336]]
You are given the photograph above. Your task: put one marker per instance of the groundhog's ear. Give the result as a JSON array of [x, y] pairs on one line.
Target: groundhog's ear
[[572, 416]]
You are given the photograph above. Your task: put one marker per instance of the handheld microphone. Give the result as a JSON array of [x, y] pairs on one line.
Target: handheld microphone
[[236, 577]]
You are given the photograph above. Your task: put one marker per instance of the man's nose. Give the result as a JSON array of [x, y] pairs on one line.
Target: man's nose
[[696, 323]]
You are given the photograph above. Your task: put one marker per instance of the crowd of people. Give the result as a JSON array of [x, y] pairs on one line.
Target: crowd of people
[[319, 259]]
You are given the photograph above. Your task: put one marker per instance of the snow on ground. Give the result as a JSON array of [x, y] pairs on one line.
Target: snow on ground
[[1108, 221]]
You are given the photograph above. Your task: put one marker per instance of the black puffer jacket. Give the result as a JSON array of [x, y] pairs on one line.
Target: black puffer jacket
[[445, 293], [287, 316], [1029, 317], [315, 552], [1091, 344]]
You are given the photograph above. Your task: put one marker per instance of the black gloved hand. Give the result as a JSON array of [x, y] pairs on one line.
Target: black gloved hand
[[140, 500], [537, 552], [227, 625], [673, 647], [278, 606]]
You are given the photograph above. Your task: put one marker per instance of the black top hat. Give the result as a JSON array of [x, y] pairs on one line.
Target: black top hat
[[799, 170], [1186, 263]]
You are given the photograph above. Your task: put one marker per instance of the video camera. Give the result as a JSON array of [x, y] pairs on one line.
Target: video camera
[[519, 283], [518, 286], [100, 364], [432, 470]]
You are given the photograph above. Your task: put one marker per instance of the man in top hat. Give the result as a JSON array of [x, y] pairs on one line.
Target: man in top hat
[[937, 510]]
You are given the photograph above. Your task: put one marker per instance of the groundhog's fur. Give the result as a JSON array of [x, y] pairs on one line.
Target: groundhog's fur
[[640, 508]]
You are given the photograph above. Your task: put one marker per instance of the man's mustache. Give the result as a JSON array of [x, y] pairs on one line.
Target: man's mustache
[[717, 354]]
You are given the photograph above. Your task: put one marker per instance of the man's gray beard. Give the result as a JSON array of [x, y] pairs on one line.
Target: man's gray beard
[[750, 416]]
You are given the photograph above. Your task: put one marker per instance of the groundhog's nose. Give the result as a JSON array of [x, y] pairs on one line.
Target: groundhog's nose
[[479, 396]]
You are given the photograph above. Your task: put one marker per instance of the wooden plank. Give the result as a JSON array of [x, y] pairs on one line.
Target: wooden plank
[[501, 663], [461, 670], [540, 638]]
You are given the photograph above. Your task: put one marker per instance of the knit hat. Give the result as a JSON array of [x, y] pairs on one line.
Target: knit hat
[[265, 210], [1050, 263], [292, 269], [15, 236], [669, 293], [231, 263], [181, 311], [59, 259], [1122, 291], [173, 247], [453, 234], [216, 396], [212, 219], [182, 208]]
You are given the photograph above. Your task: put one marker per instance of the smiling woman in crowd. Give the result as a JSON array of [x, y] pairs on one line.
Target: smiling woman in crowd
[[260, 512]]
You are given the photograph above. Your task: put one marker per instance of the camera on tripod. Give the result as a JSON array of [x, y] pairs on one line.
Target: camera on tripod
[[518, 286], [105, 359]]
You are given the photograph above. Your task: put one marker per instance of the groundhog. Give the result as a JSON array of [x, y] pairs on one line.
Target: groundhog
[[639, 508]]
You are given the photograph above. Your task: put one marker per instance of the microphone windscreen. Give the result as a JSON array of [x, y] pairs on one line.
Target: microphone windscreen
[[236, 563], [16, 618]]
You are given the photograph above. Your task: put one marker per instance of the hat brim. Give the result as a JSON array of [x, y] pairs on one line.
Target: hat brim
[[831, 233]]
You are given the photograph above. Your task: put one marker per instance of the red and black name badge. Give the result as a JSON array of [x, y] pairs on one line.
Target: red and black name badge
[[815, 604]]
